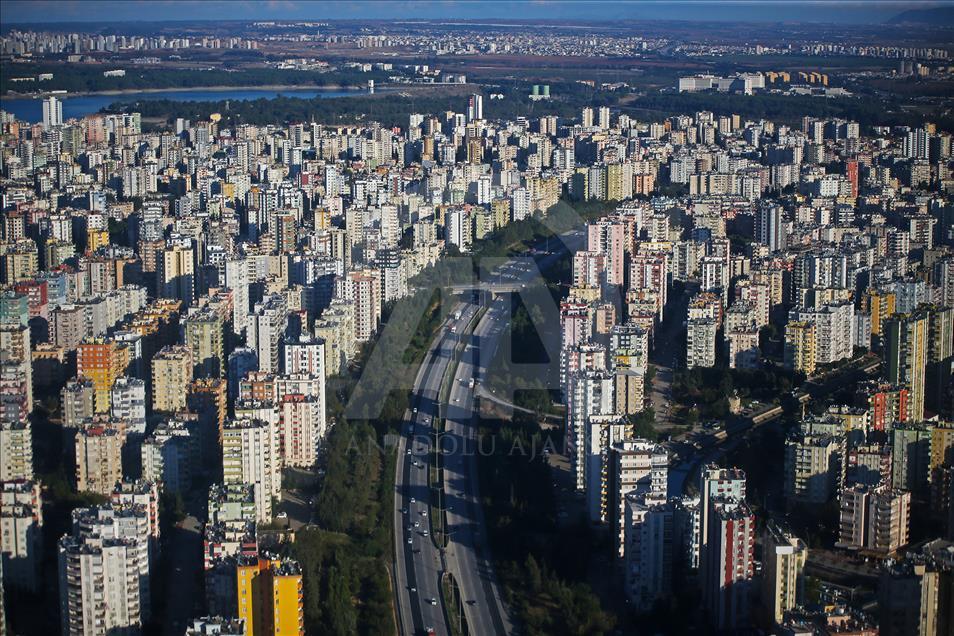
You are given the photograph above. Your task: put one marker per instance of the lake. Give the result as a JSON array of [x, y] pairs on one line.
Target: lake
[[29, 109]]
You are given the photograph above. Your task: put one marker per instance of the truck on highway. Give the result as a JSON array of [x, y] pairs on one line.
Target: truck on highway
[[457, 315]]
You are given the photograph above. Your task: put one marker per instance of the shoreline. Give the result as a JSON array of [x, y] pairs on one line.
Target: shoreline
[[356, 91], [209, 89]]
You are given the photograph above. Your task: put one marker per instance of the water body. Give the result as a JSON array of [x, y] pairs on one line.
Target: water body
[[31, 110]]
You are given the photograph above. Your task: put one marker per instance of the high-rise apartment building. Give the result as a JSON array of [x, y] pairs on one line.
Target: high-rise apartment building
[[250, 456], [873, 518], [716, 484], [15, 352], [648, 542], [770, 230], [783, 562], [589, 393], [609, 238], [634, 466], [270, 596], [21, 526], [914, 598], [104, 572], [301, 427], [171, 376], [102, 362], [701, 342], [812, 468], [52, 113], [175, 273], [78, 401], [905, 353], [800, 346], [729, 563], [99, 463], [364, 289], [16, 445], [266, 331], [204, 336]]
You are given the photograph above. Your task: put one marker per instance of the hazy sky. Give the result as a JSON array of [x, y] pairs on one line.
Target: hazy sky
[[860, 11]]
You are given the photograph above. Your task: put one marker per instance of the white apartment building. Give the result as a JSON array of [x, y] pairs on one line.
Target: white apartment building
[[250, 456]]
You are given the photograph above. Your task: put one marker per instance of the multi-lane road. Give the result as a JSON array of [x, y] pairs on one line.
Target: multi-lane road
[[419, 564], [468, 552]]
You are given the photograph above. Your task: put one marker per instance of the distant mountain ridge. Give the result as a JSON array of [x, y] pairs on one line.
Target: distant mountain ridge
[[938, 16]]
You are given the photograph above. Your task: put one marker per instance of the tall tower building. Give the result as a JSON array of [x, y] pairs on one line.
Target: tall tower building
[[609, 238], [783, 562], [587, 117], [635, 466], [15, 350], [270, 596], [52, 113], [104, 571], [250, 456], [21, 527], [16, 443], [729, 563], [302, 425], [648, 540], [906, 356], [364, 289], [204, 336], [717, 483], [99, 464], [266, 331], [475, 107], [769, 229], [102, 362], [171, 375], [175, 274]]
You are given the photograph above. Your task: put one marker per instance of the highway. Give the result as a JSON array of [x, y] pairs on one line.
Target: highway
[[468, 551], [468, 555], [418, 565]]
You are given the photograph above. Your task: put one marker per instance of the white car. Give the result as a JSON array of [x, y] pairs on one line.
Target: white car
[[432, 601]]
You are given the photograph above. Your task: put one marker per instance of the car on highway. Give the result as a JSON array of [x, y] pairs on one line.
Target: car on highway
[[410, 540], [432, 601]]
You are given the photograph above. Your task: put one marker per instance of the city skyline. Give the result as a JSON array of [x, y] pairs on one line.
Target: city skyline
[[831, 11], [404, 327]]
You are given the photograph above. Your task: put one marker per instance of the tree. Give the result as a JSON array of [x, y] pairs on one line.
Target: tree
[[340, 617], [534, 576], [643, 424]]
